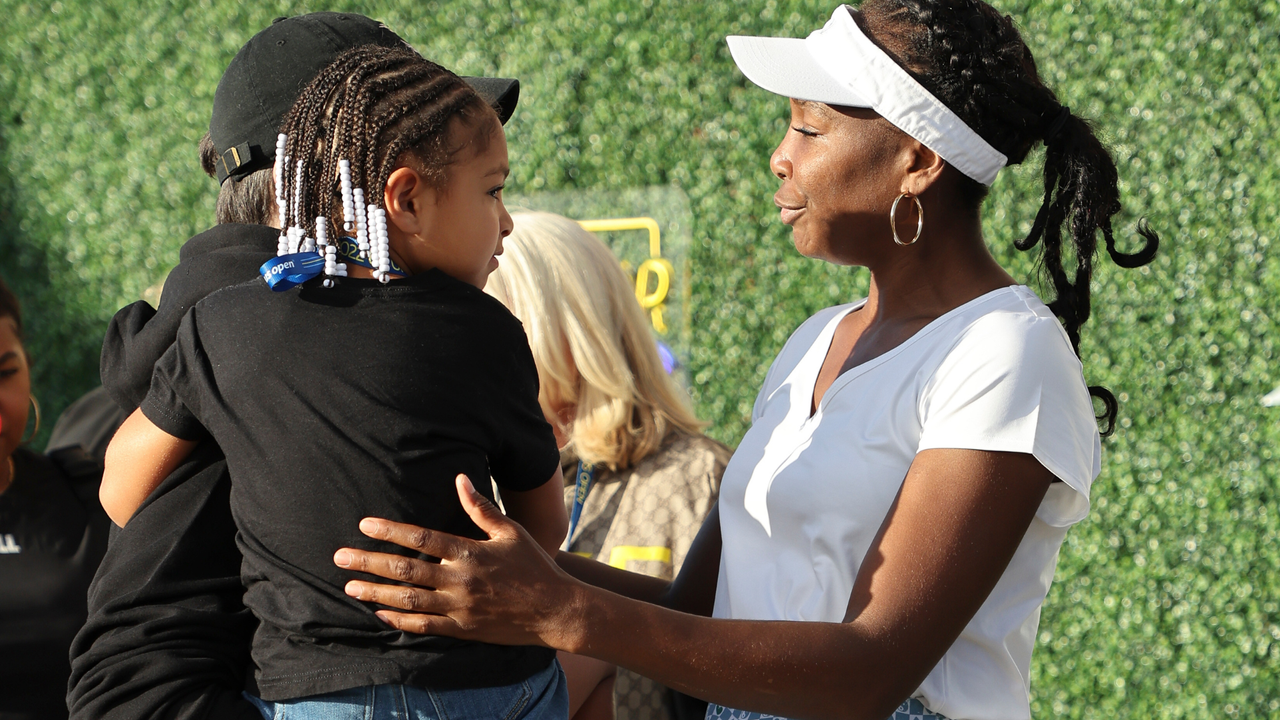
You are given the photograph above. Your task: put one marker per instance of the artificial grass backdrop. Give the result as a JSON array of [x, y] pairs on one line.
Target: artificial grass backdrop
[[1165, 603]]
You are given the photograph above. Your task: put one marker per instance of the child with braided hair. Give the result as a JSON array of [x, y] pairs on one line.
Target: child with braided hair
[[365, 391]]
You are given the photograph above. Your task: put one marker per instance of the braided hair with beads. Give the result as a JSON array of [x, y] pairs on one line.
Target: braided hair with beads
[[370, 111], [973, 59]]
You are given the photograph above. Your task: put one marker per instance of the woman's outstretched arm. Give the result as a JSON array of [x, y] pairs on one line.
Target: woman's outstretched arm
[[948, 537]]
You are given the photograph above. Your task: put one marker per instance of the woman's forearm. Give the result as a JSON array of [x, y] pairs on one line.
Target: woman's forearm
[[792, 669]]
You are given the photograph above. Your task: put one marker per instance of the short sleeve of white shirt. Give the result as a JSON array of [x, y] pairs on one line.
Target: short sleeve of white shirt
[[1014, 400]]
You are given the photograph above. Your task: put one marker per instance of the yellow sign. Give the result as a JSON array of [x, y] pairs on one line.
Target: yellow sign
[[655, 268]]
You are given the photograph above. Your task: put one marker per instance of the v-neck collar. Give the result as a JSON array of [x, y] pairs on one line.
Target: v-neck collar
[[822, 347]]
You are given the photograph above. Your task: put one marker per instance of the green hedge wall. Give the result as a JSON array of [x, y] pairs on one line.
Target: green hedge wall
[[1165, 603]]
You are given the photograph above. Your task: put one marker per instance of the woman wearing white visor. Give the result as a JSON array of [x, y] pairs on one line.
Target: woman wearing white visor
[[915, 459]]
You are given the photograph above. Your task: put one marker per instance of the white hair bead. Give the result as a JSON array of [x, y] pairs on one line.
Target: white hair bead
[[295, 239], [282, 161], [348, 205], [383, 245], [322, 233], [372, 224], [362, 228], [328, 251], [376, 240]]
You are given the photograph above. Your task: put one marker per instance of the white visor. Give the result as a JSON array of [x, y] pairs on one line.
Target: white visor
[[838, 65]]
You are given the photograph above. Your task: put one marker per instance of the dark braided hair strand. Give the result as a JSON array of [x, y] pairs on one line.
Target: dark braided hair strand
[[974, 60]]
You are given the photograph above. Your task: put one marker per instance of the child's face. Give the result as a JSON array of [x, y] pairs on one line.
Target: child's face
[[462, 224]]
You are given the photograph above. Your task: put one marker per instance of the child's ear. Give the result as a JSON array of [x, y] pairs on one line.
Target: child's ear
[[409, 200]]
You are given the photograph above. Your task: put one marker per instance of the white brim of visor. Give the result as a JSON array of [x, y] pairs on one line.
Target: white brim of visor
[[839, 65]]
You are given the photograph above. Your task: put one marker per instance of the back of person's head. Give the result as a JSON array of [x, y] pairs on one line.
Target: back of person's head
[[590, 341], [249, 200], [973, 59], [377, 109], [258, 88]]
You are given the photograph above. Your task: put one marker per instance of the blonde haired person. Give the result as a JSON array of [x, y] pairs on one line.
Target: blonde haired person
[[614, 408]]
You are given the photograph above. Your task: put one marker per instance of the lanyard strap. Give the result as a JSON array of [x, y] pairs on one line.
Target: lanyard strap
[[285, 271], [350, 253], [585, 476]]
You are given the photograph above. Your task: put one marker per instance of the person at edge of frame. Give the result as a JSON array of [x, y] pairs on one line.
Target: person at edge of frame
[[53, 533], [167, 635]]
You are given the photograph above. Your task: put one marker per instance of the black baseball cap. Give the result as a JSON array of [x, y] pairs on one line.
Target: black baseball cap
[[272, 69]]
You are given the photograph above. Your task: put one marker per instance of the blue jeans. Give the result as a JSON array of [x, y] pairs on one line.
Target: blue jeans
[[544, 696]]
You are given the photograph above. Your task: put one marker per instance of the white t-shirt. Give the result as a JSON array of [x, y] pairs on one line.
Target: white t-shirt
[[803, 497]]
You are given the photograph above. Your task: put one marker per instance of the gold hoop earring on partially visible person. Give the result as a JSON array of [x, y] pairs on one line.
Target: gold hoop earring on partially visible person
[[35, 407], [893, 220]]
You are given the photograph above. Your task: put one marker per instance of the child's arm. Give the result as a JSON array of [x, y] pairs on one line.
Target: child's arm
[[541, 511], [139, 458]]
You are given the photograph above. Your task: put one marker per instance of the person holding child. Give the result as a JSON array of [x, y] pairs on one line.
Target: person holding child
[[888, 528], [364, 392], [168, 635]]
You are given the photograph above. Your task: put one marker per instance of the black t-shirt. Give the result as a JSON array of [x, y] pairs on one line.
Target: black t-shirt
[[52, 535], [222, 256], [335, 404]]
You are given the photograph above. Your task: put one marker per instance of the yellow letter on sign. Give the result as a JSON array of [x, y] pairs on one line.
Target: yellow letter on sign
[[653, 301], [661, 270]]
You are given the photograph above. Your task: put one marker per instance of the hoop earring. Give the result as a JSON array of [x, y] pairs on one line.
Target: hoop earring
[[36, 431], [893, 220]]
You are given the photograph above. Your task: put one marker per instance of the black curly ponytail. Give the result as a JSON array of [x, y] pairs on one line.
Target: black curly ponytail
[[974, 60]]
